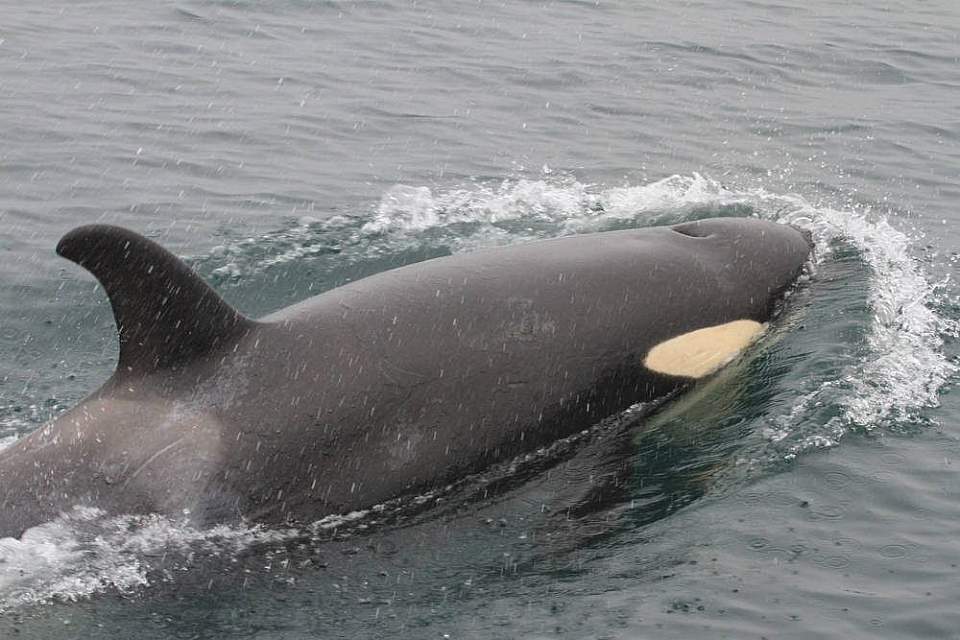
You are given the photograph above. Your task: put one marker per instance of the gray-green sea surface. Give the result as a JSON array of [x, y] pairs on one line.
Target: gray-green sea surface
[[810, 489]]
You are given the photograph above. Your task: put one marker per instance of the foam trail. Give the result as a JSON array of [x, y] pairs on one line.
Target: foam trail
[[84, 552], [904, 368]]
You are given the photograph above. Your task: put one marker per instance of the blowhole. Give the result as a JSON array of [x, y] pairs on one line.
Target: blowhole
[[692, 230]]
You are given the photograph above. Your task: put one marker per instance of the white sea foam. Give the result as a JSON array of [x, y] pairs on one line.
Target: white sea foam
[[84, 552], [407, 209], [6, 441], [463, 219], [904, 367]]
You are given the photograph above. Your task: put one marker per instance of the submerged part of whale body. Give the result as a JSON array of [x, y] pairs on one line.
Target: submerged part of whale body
[[393, 383]]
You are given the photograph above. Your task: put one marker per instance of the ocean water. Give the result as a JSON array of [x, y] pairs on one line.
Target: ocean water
[[811, 489]]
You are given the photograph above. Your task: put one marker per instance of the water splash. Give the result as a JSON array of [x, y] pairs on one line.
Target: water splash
[[84, 552], [411, 218], [903, 367]]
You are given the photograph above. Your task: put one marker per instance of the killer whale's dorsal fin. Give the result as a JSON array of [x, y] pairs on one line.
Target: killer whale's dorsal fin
[[166, 314]]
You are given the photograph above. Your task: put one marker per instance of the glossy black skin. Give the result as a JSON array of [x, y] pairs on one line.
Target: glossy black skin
[[386, 386]]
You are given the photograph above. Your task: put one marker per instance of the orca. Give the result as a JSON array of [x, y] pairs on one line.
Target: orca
[[393, 384]]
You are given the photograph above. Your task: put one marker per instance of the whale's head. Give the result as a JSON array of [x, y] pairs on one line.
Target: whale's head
[[758, 255], [744, 266]]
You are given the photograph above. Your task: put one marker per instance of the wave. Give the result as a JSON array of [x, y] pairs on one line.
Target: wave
[[84, 552]]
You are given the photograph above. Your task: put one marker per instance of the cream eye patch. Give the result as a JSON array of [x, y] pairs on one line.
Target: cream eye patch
[[699, 353]]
